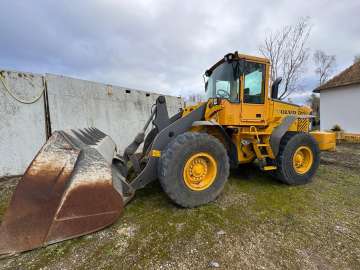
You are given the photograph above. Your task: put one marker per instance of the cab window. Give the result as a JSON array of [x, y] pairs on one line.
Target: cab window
[[254, 83], [224, 82]]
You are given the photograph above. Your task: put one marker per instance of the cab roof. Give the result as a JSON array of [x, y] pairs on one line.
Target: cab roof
[[238, 56]]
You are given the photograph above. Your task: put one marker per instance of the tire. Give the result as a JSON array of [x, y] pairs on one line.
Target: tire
[[287, 171], [173, 163]]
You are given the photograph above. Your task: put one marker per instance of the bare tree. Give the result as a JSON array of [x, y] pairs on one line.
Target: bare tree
[[314, 102], [356, 58], [287, 51], [324, 65]]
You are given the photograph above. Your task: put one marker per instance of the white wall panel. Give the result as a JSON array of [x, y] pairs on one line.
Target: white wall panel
[[340, 106], [117, 111], [22, 126]]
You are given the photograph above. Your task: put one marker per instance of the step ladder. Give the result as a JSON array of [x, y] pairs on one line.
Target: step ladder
[[262, 150]]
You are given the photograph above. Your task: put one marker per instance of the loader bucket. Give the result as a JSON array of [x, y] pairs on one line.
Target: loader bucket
[[67, 191]]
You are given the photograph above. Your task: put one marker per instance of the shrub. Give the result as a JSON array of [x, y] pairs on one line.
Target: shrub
[[336, 128]]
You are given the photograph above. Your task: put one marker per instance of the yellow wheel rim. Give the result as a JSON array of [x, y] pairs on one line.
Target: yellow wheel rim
[[200, 171], [303, 160]]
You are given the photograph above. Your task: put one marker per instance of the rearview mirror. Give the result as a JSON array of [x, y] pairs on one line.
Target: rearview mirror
[[275, 88]]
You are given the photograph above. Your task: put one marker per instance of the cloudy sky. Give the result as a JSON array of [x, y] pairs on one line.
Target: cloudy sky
[[162, 46]]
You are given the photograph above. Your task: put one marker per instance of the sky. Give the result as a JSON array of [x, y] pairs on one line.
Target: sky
[[163, 46]]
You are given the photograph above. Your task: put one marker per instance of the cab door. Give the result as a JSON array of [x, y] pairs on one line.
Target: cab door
[[253, 96]]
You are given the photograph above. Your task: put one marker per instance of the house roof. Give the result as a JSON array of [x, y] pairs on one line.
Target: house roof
[[349, 76]]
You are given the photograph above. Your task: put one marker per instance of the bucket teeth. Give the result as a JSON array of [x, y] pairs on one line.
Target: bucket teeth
[[85, 137], [95, 133]]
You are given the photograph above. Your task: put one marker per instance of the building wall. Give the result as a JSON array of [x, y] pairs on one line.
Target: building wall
[[22, 126], [117, 111], [340, 106], [73, 103]]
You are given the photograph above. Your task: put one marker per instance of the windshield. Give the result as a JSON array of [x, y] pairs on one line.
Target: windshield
[[224, 82]]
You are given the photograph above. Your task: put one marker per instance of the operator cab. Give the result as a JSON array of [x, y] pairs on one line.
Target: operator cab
[[229, 76], [240, 81]]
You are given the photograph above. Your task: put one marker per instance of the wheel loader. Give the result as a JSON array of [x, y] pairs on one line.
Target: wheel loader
[[79, 182]]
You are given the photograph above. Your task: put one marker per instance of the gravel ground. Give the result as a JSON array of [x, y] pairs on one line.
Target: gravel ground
[[257, 223]]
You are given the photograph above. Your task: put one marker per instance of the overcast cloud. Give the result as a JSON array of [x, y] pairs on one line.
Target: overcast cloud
[[161, 46]]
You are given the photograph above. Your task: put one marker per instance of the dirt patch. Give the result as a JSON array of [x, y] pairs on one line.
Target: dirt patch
[[346, 155], [257, 223]]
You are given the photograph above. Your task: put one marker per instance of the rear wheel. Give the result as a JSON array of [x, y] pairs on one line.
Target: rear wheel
[[298, 158], [194, 169]]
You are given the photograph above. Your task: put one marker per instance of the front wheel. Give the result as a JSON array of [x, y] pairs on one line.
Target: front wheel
[[194, 169], [298, 158]]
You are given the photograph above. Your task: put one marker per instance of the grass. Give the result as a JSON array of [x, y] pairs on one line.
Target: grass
[[6, 190], [256, 223]]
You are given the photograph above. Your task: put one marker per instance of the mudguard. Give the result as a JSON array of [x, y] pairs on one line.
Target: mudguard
[[279, 132]]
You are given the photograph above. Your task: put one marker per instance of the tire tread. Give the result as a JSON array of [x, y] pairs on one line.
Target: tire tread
[[171, 152]]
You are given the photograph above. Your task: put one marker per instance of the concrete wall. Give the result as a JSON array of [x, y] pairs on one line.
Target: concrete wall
[[117, 111], [73, 103], [22, 126], [340, 106]]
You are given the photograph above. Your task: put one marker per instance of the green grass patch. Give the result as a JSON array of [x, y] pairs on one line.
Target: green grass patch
[[263, 224]]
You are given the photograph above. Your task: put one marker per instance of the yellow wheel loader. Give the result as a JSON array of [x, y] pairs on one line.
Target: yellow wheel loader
[[78, 183]]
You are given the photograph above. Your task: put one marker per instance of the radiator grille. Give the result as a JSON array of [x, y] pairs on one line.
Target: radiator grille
[[303, 124]]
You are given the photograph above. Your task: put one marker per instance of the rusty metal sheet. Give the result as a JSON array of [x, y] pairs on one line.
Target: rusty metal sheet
[[67, 191]]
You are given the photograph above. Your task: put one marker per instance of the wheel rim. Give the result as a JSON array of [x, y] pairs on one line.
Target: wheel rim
[[200, 171], [303, 159]]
